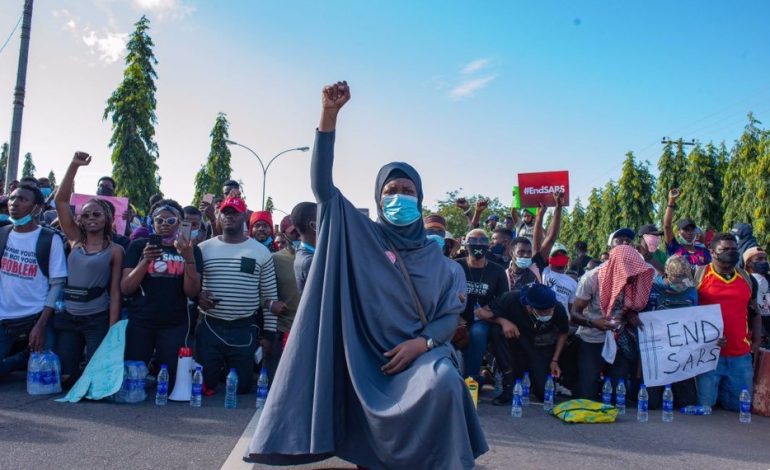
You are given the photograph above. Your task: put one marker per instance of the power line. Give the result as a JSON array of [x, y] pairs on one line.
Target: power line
[[11, 35]]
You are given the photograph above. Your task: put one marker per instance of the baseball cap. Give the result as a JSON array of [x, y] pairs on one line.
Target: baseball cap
[[623, 232], [538, 296], [233, 202], [684, 223], [557, 247], [650, 229], [493, 217]]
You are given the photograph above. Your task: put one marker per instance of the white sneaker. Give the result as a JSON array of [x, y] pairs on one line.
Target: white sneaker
[[562, 390]]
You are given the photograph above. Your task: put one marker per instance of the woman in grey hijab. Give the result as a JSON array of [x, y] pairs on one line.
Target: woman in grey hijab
[[362, 377]]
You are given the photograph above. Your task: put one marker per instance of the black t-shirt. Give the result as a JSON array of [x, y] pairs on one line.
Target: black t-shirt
[[160, 300], [509, 306], [579, 264], [483, 285], [121, 240]]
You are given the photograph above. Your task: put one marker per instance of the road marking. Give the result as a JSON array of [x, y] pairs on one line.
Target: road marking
[[235, 459]]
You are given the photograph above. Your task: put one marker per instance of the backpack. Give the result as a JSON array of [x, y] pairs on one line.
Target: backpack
[[42, 248], [585, 411]]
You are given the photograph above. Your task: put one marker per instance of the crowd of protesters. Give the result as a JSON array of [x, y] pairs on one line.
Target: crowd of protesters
[[233, 282]]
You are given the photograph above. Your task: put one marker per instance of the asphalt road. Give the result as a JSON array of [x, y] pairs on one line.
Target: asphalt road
[[36, 432]]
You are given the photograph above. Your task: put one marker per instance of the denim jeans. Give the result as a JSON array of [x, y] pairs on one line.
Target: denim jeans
[[225, 344], [76, 332], [473, 353], [14, 342], [724, 384]]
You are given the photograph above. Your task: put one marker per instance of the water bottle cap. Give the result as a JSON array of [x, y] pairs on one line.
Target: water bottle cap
[[163, 366], [642, 386], [232, 369], [549, 377], [518, 381], [526, 374], [185, 352], [198, 367]]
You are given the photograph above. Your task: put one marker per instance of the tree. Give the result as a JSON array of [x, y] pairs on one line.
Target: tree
[[761, 191], [592, 221], [456, 222], [212, 176], [269, 205], [132, 110], [3, 165], [671, 171], [610, 212], [701, 189], [29, 166], [737, 196], [52, 178], [573, 225], [635, 193]]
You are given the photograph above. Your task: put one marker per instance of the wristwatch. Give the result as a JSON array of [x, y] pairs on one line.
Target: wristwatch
[[428, 341]]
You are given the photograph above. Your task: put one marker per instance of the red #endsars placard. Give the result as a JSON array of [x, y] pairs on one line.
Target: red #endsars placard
[[537, 188]]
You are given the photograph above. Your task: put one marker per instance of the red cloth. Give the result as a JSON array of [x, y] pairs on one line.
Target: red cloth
[[263, 216], [624, 263], [733, 297]]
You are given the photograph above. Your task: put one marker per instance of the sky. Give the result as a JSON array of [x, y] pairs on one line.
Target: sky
[[470, 93]]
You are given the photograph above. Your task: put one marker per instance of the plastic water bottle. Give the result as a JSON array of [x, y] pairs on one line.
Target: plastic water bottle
[[548, 395], [231, 388], [668, 405], [699, 410], [526, 386], [745, 415], [33, 374], [642, 404], [262, 387], [498, 384], [197, 388], [620, 397], [49, 373], [56, 387], [161, 390], [607, 391], [516, 403], [60, 306]]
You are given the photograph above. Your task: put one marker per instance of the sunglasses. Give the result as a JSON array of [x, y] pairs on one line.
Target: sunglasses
[[90, 215], [167, 220]]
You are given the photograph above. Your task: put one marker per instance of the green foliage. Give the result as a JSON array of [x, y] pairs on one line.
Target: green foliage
[[29, 166], [761, 191], [132, 110], [671, 172], [635, 193], [52, 178], [269, 205], [456, 222], [573, 225], [701, 190], [592, 235], [610, 212], [212, 176]]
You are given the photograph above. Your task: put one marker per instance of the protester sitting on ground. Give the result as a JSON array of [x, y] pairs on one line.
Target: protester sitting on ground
[[364, 377], [304, 217], [92, 296], [158, 277], [261, 229], [744, 234], [525, 268], [675, 289], [683, 243], [649, 247], [485, 281], [32, 274], [238, 279], [536, 328], [755, 260], [608, 299], [722, 282], [581, 259], [554, 276]]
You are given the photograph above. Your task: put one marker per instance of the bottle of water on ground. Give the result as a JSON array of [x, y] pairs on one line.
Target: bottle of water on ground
[[526, 386], [620, 397], [548, 395], [262, 387], [607, 391], [745, 414], [516, 403], [161, 391], [698, 410], [196, 397], [642, 404], [231, 389], [34, 373], [498, 383], [668, 404]]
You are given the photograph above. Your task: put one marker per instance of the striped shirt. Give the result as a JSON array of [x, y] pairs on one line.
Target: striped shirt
[[241, 276]]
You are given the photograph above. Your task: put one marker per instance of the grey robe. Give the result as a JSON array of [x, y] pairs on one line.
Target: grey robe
[[329, 396]]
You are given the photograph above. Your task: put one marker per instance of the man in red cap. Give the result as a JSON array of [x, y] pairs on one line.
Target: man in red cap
[[261, 229], [238, 280]]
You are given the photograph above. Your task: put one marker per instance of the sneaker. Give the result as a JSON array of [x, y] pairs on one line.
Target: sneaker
[[504, 399], [562, 390]]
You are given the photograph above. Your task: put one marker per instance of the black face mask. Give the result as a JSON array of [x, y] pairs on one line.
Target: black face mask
[[498, 250], [478, 251], [729, 257], [760, 267]]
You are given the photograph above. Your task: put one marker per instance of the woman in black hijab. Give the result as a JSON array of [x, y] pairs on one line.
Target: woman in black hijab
[[363, 377]]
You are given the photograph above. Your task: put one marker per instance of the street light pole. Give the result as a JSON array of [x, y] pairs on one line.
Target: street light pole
[[266, 167]]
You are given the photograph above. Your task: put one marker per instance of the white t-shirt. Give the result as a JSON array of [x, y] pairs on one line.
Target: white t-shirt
[[24, 287], [763, 295], [588, 289], [562, 284]]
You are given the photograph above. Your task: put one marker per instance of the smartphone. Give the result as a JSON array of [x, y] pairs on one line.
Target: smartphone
[[185, 229], [208, 198], [155, 240]]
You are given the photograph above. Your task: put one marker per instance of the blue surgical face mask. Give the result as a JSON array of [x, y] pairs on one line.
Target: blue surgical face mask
[[23, 221], [46, 191], [296, 244], [523, 263], [268, 241], [194, 234], [438, 239], [400, 210], [4, 217]]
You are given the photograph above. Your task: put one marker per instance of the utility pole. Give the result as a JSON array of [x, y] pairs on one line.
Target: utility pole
[[18, 95], [667, 140]]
